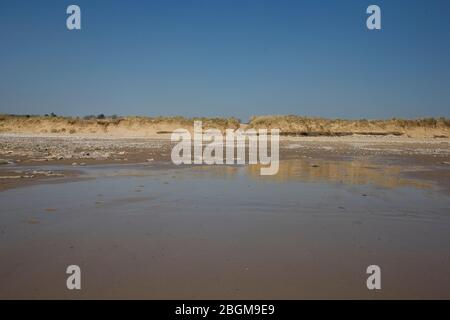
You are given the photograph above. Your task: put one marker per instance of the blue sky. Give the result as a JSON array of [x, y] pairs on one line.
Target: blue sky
[[226, 58]]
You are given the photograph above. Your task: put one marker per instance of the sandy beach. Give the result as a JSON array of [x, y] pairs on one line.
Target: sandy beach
[[141, 227], [425, 159]]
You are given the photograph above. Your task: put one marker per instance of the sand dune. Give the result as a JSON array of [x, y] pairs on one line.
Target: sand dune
[[288, 125], [297, 125], [120, 127]]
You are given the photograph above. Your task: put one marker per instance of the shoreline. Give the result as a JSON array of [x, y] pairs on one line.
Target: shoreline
[[424, 159]]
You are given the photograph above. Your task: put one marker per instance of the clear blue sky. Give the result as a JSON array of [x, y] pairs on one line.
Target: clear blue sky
[[226, 58]]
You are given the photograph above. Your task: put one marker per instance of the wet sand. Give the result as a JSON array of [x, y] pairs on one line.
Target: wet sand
[[149, 229]]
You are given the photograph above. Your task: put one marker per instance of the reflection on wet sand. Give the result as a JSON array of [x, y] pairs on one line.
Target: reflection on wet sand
[[218, 232], [356, 172]]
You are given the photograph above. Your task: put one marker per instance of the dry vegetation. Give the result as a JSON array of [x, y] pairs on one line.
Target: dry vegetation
[[134, 126], [297, 125], [111, 126]]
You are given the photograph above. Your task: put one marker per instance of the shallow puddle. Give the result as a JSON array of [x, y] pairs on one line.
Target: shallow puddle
[[155, 231]]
